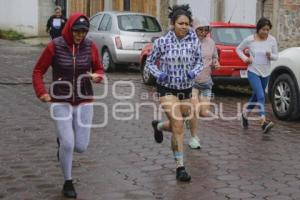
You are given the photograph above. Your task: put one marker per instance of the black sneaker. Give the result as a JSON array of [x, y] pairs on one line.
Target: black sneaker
[[69, 190], [58, 145], [267, 126], [244, 122], [182, 175], [158, 135]]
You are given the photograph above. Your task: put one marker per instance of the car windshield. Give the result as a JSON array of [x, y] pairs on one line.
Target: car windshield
[[230, 36], [138, 23]]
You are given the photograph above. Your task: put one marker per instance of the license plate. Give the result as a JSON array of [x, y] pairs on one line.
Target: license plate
[[139, 45], [243, 74]]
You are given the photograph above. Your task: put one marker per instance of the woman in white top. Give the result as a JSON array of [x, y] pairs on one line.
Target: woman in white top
[[262, 49]]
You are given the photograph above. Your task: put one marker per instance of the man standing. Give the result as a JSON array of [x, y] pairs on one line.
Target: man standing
[[56, 23]]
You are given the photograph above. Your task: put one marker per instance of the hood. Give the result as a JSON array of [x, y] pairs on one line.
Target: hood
[[67, 31], [200, 22]]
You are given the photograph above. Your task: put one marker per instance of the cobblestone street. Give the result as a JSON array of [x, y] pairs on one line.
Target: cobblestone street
[[123, 162]]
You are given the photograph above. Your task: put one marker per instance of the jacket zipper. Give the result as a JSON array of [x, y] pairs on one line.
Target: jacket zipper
[[74, 66]]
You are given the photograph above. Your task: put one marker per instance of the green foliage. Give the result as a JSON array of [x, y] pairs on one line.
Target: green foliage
[[10, 35]]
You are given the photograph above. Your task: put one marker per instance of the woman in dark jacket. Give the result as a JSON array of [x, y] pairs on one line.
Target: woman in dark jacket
[[74, 60], [56, 23]]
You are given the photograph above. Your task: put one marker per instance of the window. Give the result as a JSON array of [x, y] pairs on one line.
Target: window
[[94, 22], [231, 36], [126, 5], [138, 23], [105, 24]]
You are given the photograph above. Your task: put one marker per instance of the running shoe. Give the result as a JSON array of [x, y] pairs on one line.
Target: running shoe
[[69, 190], [182, 175], [158, 135], [194, 143], [267, 126], [244, 121]]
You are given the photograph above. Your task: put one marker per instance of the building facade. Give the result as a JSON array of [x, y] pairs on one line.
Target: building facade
[[285, 16], [30, 16]]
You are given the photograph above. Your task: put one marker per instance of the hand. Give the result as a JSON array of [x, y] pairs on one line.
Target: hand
[[191, 75], [249, 61], [45, 98], [162, 77], [215, 65], [95, 77], [268, 54]]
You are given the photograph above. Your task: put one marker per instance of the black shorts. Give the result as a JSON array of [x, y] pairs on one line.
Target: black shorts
[[180, 94]]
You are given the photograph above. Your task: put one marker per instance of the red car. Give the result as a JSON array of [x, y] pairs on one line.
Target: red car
[[227, 37]]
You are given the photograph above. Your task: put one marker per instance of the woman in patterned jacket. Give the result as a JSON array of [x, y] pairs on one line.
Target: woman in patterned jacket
[[179, 56]]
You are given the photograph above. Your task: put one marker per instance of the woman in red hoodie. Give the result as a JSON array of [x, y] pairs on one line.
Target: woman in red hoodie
[[75, 62]]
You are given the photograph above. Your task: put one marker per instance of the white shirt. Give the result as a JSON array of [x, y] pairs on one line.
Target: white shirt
[[258, 49], [56, 23]]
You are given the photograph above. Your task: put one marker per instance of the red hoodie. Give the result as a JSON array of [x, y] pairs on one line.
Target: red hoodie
[[47, 56]]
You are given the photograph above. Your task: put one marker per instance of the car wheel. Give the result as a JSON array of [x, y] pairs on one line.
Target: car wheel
[[108, 64], [285, 98], [148, 78]]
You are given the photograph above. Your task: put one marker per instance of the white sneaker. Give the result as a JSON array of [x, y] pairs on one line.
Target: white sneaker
[[194, 143]]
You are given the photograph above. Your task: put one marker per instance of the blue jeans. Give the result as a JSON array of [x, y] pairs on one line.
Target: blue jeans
[[204, 89], [258, 85]]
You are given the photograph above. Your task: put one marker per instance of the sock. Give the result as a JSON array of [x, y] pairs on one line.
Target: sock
[[179, 159], [160, 126]]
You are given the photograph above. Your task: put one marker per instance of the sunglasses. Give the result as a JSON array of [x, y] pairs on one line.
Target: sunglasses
[[206, 29]]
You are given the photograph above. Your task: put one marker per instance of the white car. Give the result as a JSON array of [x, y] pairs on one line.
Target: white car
[[120, 36], [284, 85]]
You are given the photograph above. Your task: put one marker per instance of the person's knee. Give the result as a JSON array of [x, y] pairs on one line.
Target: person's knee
[[205, 113], [261, 98], [67, 146], [80, 148], [177, 126]]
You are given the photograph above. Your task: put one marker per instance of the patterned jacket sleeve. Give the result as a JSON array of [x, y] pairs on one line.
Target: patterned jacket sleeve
[[152, 60], [198, 65]]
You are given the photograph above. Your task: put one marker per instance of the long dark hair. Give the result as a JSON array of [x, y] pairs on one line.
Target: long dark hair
[[263, 22], [177, 10]]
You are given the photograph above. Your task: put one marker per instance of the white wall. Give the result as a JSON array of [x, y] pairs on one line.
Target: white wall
[[19, 15], [200, 8], [108, 5], [46, 9], [242, 11]]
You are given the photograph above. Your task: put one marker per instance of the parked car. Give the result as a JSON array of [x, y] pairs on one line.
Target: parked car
[[227, 37], [120, 36], [284, 84]]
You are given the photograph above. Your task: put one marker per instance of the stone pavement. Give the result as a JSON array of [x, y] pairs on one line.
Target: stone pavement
[[123, 162], [42, 41]]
